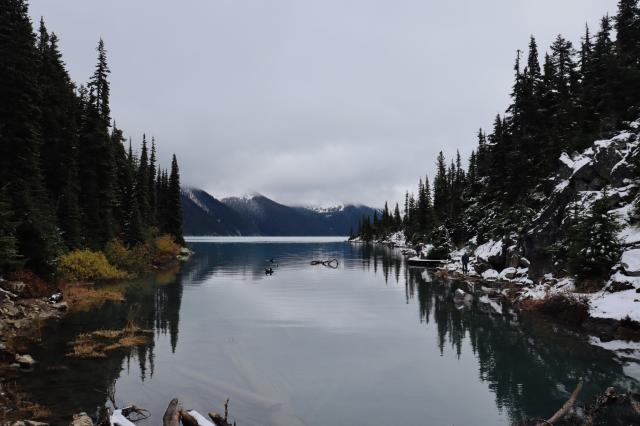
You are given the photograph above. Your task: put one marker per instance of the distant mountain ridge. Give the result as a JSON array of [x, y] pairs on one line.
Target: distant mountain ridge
[[256, 214]]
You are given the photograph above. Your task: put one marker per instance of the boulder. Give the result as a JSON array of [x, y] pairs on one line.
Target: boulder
[[615, 287], [81, 419], [508, 273], [492, 252], [490, 274], [25, 360], [62, 306], [16, 287]]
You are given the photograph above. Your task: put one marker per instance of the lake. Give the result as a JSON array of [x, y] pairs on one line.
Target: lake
[[370, 342]]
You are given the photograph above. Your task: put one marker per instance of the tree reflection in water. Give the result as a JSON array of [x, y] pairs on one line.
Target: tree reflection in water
[[519, 357], [530, 365]]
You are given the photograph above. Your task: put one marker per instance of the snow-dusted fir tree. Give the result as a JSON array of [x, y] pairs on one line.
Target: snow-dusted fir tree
[[594, 246], [441, 241]]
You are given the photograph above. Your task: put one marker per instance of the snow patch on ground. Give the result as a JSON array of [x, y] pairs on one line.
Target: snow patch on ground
[[617, 305], [631, 261], [615, 345], [630, 235]]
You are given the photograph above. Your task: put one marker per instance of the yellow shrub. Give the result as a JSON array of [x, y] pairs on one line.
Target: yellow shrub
[[135, 259], [86, 265], [165, 249]]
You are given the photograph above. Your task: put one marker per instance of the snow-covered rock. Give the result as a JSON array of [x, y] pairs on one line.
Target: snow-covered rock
[[490, 274], [631, 262], [508, 273], [489, 251], [607, 169]]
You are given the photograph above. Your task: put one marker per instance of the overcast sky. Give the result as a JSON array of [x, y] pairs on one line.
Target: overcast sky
[[309, 102]]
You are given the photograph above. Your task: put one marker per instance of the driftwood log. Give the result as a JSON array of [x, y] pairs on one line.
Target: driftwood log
[[220, 420], [564, 409], [172, 415], [187, 419], [330, 263]]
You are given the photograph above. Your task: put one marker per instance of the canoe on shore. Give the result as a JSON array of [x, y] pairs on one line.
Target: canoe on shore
[[418, 261]]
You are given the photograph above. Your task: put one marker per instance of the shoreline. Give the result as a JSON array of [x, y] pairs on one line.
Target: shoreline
[[22, 320], [530, 298]]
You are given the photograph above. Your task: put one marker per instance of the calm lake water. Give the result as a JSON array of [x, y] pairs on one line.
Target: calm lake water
[[371, 342]]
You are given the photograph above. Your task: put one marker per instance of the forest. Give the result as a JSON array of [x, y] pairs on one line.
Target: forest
[[68, 179], [578, 94]]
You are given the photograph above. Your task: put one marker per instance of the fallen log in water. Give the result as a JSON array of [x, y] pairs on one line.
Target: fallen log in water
[[330, 263], [172, 415], [187, 419], [564, 409]]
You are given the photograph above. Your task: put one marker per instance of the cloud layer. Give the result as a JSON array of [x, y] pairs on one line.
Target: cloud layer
[[309, 102]]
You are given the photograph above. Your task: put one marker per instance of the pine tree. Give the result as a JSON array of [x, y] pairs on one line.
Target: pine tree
[[397, 218], [174, 205], [441, 244], [20, 172], [151, 185], [594, 246], [441, 189], [58, 127], [142, 182], [99, 84], [627, 84], [8, 242]]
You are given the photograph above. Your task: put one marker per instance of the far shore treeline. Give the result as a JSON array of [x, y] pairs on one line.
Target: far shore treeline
[[577, 95], [67, 180]]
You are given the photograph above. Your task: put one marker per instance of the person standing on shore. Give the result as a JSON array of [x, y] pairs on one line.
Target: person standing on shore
[[465, 263]]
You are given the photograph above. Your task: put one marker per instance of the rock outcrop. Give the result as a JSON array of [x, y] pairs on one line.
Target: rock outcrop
[[607, 169]]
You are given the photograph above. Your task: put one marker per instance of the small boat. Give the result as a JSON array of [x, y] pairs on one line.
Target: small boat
[[419, 261]]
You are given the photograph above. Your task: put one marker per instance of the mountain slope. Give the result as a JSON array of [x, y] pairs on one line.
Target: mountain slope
[[259, 215], [205, 215]]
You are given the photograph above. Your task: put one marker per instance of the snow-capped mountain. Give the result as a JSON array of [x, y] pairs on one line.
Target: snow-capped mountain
[[255, 214], [205, 215]]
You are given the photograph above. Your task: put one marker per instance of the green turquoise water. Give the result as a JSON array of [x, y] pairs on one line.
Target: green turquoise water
[[371, 342]]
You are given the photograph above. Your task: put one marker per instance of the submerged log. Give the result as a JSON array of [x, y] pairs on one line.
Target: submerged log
[[219, 420], [564, 410], [187, 419], [172, 415]]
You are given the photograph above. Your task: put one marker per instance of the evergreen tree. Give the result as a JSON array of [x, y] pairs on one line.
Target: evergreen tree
[[174, 205], [441, 244], [99, 84], [627, 84], [594, 246], [58, 126], [397, 218], [8, 242], [441, 189], [151, 185], [142, 182], [20, 173]]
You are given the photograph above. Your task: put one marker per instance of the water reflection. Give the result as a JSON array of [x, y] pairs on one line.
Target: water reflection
[[312, 345], [67, 384], [530, 364]]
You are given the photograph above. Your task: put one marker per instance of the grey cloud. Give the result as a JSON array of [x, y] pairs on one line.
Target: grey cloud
[[309, 101]]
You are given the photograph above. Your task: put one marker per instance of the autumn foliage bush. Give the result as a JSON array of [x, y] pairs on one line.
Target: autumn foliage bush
[[135, 259], [87, 265], [36, 286], [165, 249]]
